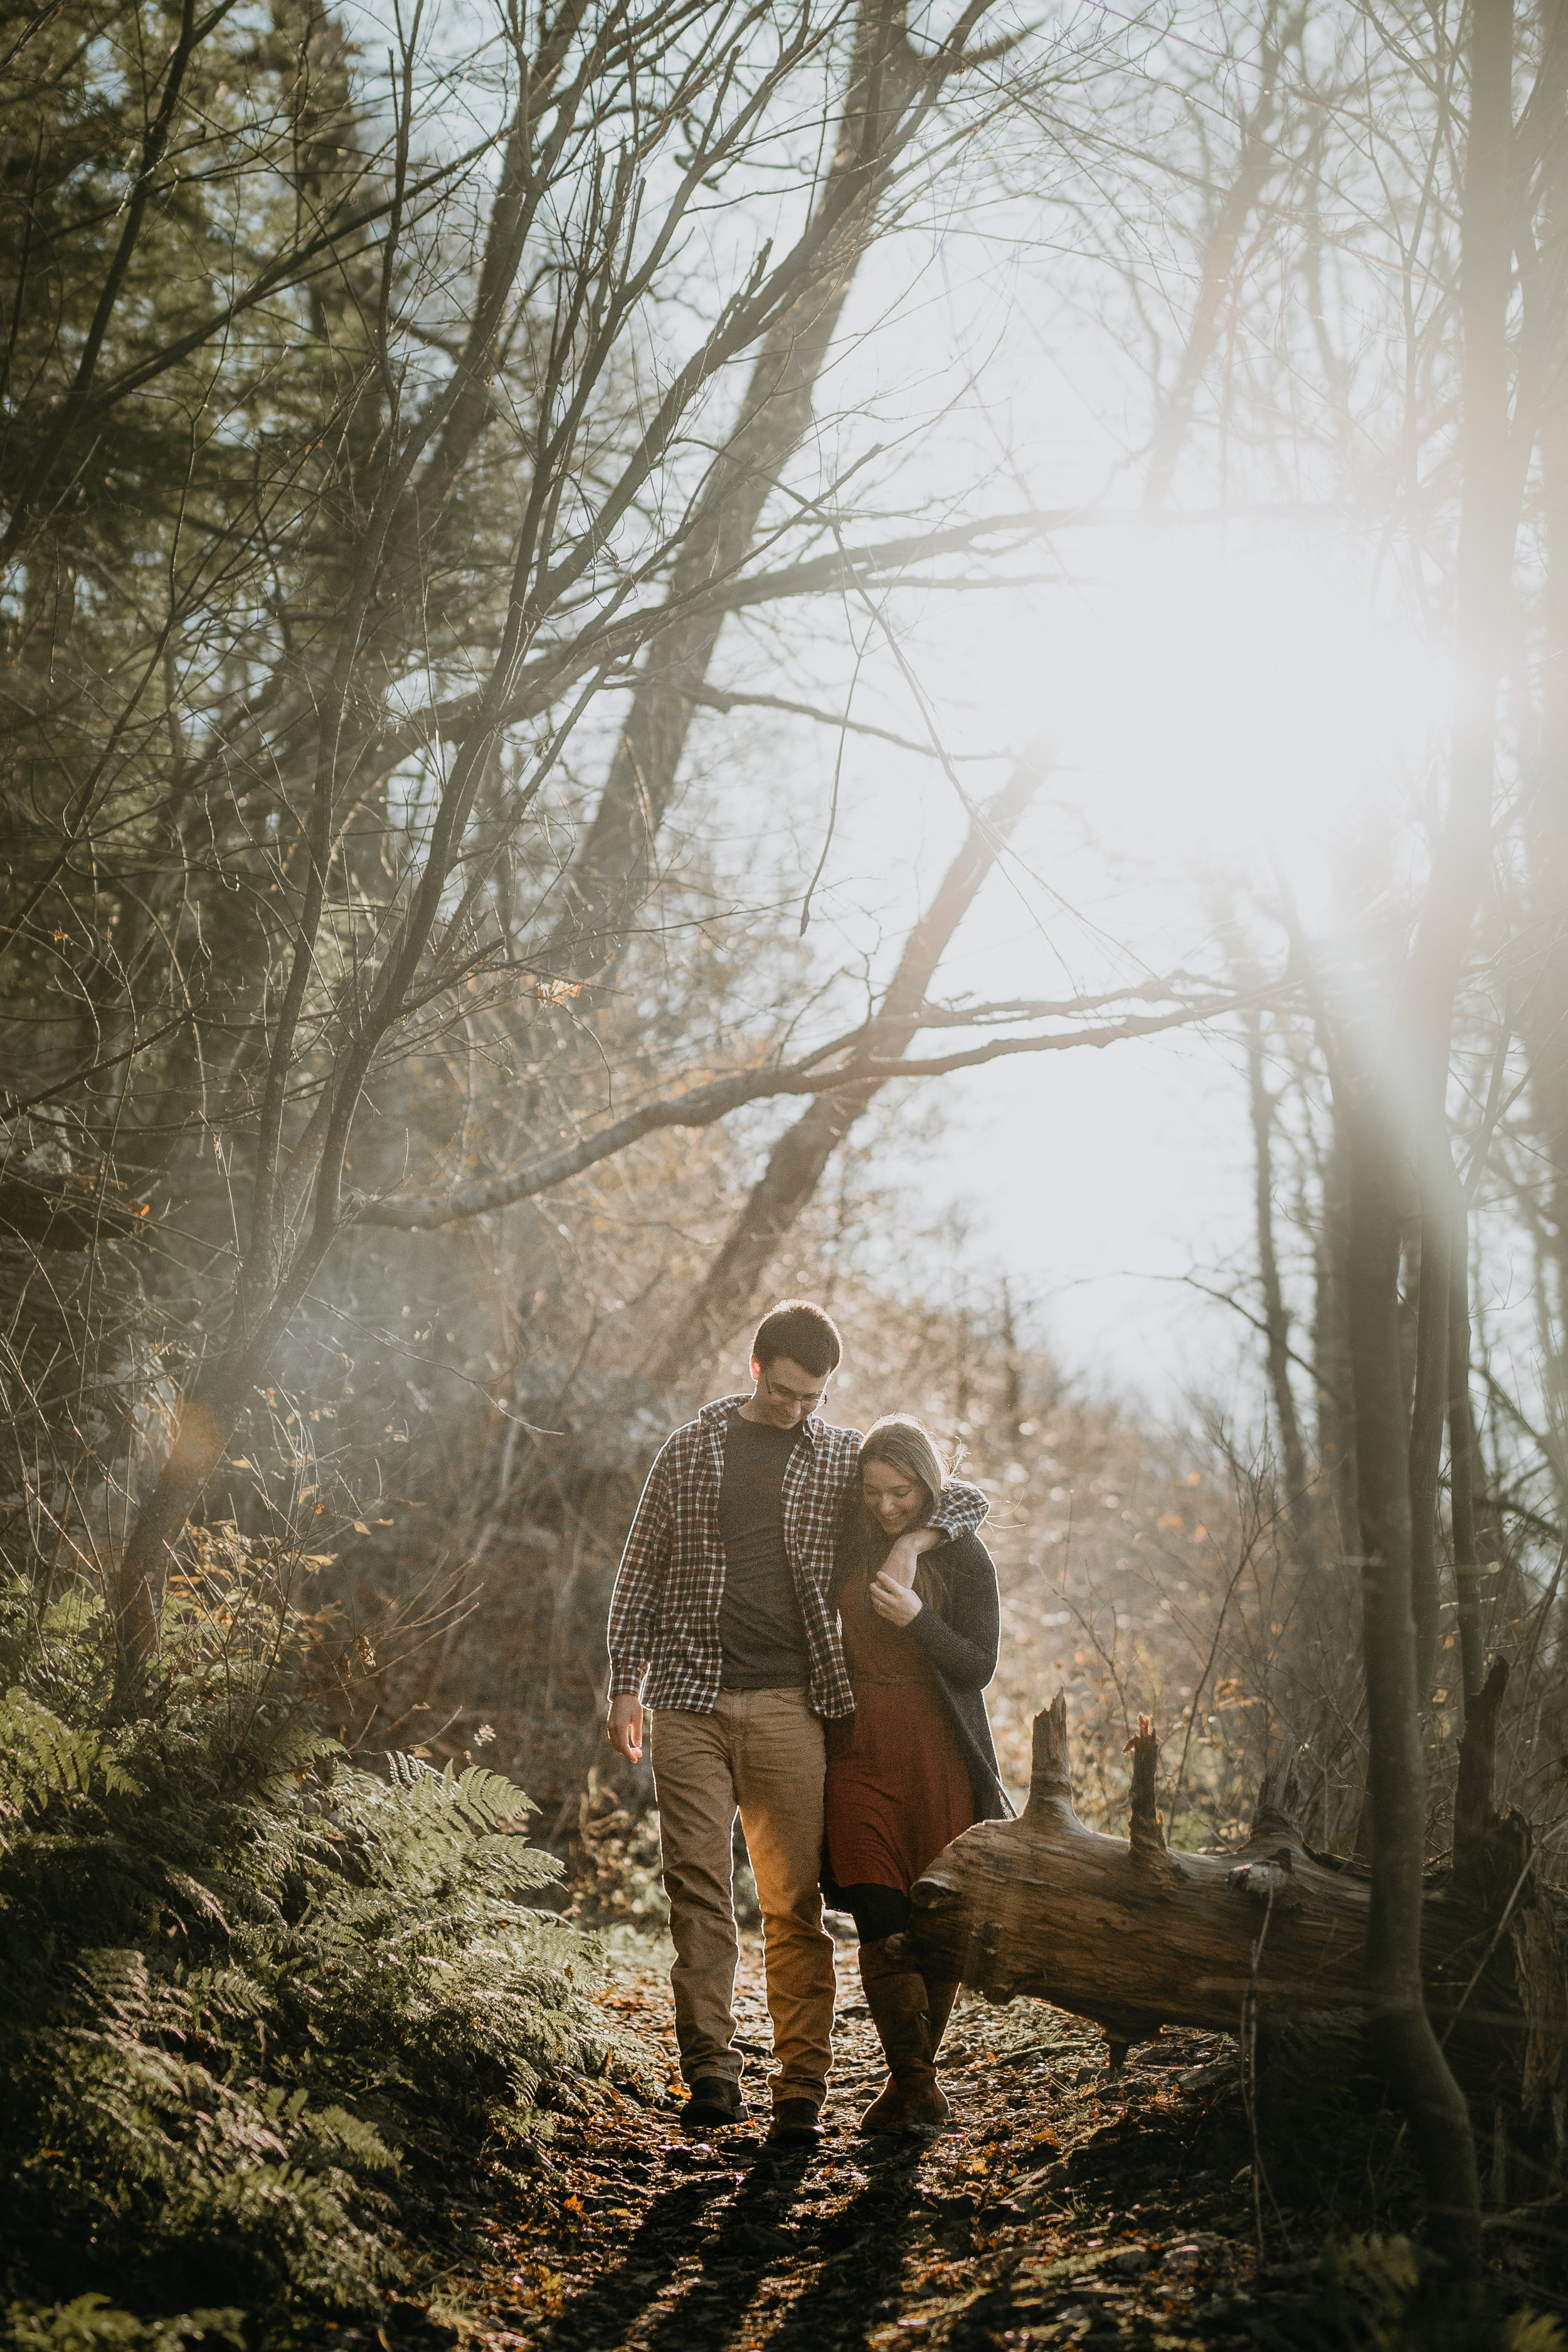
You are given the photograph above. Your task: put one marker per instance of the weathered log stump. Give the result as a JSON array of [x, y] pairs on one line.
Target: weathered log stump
[[1134, 1937]]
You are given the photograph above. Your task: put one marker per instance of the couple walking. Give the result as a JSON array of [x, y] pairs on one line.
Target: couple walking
[[811, 1620]]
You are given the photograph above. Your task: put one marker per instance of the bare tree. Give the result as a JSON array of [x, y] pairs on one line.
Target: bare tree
[[265, 815], [890, 89], [1404, 212], [799, 1158]]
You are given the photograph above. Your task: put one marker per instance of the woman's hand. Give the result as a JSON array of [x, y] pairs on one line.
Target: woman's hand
[[895, 1601], [891, 1596]]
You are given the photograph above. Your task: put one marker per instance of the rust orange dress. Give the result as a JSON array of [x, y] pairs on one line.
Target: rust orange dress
[[898, 1788]]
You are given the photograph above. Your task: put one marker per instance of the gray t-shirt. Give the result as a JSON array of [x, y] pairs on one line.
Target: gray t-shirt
[[759, 1626]]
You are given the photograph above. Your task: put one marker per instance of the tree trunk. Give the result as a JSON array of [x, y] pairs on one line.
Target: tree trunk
[[611, 876], [1409, 2051], [1425, 1453], [1134, 1937], [1336, 1416], [141, 1571], [1543, 1017], [207, 1417], [798, 1160], [1275, 1321], [1462, 1458], [1394, 1106]]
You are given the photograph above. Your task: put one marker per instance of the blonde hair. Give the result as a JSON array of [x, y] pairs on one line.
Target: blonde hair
[[905, 1445]]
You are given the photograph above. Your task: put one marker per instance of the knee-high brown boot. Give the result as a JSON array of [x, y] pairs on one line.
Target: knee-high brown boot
[[940, 1997], [897, 1998]]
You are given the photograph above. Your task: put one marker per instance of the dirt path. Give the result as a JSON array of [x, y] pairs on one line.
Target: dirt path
[[1064, 2206]]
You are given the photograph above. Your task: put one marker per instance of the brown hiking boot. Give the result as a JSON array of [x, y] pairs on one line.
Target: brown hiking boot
[[911, 2099], [715, 2102], [797, 2125]]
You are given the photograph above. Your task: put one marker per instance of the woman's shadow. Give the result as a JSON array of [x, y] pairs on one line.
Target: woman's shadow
[[854, 2257], [860, 2252]]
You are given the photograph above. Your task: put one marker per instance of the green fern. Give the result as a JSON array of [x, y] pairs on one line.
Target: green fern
[[1387, 2294], [90, 2324], [248, 1984], [41, 1756]]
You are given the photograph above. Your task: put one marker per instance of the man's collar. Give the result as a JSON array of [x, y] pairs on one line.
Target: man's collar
[[720, 1410]]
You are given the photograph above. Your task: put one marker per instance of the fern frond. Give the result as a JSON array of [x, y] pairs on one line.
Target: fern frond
[[41, 1757], [92, 2323], [241, 1979]]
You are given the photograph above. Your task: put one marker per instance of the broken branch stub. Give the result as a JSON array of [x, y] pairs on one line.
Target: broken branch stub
[[1126, 1933]]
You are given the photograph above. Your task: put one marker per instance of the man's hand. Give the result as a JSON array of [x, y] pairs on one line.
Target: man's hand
[[623, 1727], [901, 1562]]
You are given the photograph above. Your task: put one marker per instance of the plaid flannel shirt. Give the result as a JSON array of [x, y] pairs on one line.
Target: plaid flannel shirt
[[664, 1616]]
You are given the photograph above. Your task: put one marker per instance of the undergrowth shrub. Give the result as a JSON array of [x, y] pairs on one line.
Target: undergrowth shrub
[[1331, 2138], [253, 1995], [1389, 2294], [90, 2323]]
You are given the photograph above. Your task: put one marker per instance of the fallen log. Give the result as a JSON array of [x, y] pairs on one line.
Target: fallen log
[[1133, 1936]]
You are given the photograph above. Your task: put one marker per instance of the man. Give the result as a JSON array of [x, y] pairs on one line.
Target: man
[[723, 1621]]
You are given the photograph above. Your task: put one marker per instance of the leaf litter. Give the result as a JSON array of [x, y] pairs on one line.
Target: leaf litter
[[1065, 2205]]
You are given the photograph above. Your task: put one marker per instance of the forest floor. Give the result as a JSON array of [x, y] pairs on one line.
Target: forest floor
[[1064, 2205]]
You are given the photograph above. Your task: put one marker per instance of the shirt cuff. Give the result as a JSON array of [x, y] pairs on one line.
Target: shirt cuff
[[956, 1515], [626, 1681]]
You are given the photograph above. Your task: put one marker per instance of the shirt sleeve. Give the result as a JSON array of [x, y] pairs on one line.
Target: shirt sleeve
[[634, 1602], [840, 1464], [962, 1510], [967, 1659]]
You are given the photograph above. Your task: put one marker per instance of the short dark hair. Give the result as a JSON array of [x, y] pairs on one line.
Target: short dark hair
[[796, 1329]]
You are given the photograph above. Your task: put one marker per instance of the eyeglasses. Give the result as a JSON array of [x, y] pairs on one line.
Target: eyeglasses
[[808, 1401]]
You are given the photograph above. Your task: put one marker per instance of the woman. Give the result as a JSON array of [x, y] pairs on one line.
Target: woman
[[914, 1765]]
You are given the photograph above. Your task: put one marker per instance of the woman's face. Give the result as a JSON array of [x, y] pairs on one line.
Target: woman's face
[[894, 1499]]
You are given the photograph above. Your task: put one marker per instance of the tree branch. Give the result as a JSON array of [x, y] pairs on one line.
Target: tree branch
[[704, 1106]]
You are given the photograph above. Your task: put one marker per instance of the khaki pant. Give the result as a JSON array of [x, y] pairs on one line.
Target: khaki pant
[[762, 1752]]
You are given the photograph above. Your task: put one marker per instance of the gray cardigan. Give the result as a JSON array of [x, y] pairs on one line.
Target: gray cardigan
[[960, 1646]]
